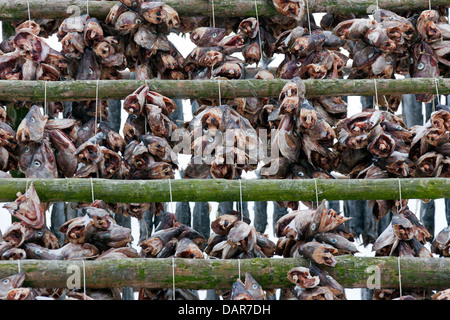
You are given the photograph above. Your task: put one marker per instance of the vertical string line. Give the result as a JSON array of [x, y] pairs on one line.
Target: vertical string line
[[213, 15], [239, 268], [96, 113], [92, 190], [437, 94], [29, 12], [170, 194], [400, 194], [220, 94], [173, 278], [317, 193], [87, 7], [307, 13], [240, 197], [259, 30], [376, 92], [45, 98], [399, 277], [84, 280]]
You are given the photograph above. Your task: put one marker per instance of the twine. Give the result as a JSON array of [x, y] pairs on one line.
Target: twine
[[173, 278], [84, 280], [92, 190]]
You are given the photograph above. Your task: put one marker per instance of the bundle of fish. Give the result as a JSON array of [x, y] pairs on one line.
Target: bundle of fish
[[233, 237], [316, 234], [404, 237], [389, 44], [94, 235], [8, 146], [224, 143], [27, 56], [143, 27], [301, 143], [11, 288], [171, 239], [313, 283]]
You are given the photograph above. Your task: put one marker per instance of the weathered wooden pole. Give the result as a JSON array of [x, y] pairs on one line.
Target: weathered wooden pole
[[16, 10], [128, 191], [350, 271], [20, 90]]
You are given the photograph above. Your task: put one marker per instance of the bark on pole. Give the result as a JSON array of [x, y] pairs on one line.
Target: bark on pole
[[79, 90], [350, 272], [201, 190], [16, 10]]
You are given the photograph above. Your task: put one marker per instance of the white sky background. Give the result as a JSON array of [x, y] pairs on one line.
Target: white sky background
[[185, 46]]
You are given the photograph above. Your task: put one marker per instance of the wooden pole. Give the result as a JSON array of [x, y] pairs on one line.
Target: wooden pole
[[51, 9], [350, 272], [201, 190], [202, 89]]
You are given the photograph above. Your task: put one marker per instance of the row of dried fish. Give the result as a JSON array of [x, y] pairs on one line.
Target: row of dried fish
[[171, 239]]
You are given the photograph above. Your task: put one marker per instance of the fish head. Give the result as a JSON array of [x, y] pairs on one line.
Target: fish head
[[31, 129], [128, 21], [254, 288], [239, 292]]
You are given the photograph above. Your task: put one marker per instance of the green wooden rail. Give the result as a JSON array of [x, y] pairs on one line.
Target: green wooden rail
[[219, 190]]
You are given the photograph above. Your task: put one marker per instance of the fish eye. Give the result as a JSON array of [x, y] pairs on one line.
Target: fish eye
[[210, 139], [300, 174], [27, 149], [38, 251], [6, 281], [40, 233], [298, 64], [391, 17], [313, 226], [90, 71], [32, 119], [254, 286], [334, 240], [37, 163], [420, 66], [138, 21], [214, 34]]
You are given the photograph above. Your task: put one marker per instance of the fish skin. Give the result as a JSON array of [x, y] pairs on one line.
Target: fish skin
[[254, 288], [31, 128], [337, 241], [65, 152]]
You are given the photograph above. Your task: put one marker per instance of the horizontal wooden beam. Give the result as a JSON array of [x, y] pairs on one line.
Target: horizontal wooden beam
[[350, 272], [51, 9], [219, 190], [204, 89]]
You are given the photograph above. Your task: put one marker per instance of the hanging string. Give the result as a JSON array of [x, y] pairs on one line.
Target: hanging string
[[240, 197], [173, 278], [213, 17], [18, 264], [259, 29], [87, 7], [400, 194], [170, 193], [96, 112], [84, 280], [437, 93], [378, 5], [220, 94], [376, 91], [146, 116], [317, 193], [92, 190], [307, 13], [29, 12], [45, 97], [26, 188], [399, 277], [239, 268], [429, 4]]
